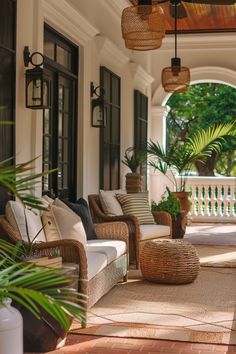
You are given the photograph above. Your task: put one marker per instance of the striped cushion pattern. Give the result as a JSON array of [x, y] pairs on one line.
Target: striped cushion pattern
[[136, 204]]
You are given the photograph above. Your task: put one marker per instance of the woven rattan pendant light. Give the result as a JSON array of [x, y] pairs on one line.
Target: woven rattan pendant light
[[143, 26], [175, 78]]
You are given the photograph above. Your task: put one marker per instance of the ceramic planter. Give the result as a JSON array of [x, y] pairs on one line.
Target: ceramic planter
[[11, 329]]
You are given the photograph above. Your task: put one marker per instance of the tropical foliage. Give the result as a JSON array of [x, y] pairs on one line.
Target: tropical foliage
[[201, 106], [134, 158], [38, 288], [167, 203], [20, 180], [180, 157]]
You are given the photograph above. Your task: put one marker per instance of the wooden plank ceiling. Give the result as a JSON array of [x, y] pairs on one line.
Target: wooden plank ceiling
[[201, 18]]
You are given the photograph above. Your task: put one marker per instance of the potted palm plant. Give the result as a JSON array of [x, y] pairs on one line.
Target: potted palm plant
[[38, 292], [179, 159], [45, 296], [133, 158]]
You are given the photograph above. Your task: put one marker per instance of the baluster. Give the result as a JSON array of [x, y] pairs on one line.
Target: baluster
[[225, 190], [200, 200], [232, 212]]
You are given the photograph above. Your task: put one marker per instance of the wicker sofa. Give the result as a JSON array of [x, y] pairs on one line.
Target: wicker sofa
[[101, 264], [138, 234]]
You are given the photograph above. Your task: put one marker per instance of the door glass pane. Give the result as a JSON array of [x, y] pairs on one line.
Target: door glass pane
[[64, 57], [46, 122], [66, 125], [49, 49], [59, 176], [7, 24], [60, 98], [65, 150], [60, 149], [60, 120], [65, 176], [46, 148]]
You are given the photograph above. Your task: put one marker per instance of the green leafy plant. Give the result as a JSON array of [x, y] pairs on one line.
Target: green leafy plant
[[180, 157], [167, 203], [133, 158], [37, 288], [20, 180]]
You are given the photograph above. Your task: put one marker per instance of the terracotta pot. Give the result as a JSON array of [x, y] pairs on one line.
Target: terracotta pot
[[185, 203], [134, 183]]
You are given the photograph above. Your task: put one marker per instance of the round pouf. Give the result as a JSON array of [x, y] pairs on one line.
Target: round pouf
[[169, 261]]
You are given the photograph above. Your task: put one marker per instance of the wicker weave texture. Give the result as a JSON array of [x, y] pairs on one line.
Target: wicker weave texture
[[169, 261]]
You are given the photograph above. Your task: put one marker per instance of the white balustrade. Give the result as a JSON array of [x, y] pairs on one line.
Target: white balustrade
[[213, 198]]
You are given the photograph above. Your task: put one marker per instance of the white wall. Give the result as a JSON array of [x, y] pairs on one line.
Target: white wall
[[99, 45], [95, 27]]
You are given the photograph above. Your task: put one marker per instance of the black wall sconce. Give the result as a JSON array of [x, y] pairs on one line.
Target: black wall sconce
[[98, 106], [37, 82]]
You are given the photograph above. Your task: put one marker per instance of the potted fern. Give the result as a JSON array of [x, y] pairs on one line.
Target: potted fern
[[133, 159]]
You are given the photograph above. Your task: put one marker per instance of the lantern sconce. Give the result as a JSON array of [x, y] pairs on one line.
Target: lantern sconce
[[98, 106], [37, 81]]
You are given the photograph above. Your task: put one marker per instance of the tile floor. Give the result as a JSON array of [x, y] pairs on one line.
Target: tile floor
[[76, 344]]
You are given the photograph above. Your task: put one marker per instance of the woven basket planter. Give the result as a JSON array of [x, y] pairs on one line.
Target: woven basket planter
[[133, 183], [169, 261]]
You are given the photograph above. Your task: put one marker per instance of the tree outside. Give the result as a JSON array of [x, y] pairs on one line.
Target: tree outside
[[200, 107]]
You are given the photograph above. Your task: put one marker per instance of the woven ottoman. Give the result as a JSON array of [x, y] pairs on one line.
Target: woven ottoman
[[169, 261]]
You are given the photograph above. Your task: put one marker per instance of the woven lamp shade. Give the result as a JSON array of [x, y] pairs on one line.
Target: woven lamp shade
[[143, 27], [175, 78]]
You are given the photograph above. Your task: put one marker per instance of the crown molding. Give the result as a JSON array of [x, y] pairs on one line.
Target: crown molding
[[109, 51], [67, 20], [200, 41], [116, 7], [140, 76]]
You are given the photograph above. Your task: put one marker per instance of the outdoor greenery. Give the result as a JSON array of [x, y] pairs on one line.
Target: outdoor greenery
[[31, 286], [167, 203], [181, 156], [202, 106], [38, 287], [134, 158]]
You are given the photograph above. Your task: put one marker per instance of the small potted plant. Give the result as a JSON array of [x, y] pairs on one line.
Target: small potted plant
[[171, 204], [133, 159]]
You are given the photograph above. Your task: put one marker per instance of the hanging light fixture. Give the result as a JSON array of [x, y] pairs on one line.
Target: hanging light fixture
[[175, 78], [143, 26]]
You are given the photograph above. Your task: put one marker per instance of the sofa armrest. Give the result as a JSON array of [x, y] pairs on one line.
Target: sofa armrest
[[113, 231]]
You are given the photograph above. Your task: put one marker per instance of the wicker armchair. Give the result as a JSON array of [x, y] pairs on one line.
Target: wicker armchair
[[98, 216], [73, 251]]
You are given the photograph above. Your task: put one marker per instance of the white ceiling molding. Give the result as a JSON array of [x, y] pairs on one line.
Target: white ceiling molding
[[108, 51], [64, 18], [200, 41], [199, 75], [116, 7], [140, 76]]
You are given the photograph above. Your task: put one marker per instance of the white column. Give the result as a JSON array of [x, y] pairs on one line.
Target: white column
[[157, 133]]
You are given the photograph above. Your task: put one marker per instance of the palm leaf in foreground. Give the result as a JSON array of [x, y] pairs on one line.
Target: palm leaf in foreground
[[38, 287]]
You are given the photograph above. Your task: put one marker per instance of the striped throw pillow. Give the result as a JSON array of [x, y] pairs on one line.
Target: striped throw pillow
[[136, 204]]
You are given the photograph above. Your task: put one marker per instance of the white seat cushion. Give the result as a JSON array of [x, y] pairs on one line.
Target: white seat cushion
[[149, 232], [112, 249], [18, 216], [96, 262]]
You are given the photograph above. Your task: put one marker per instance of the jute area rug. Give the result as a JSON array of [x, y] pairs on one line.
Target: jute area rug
[[203, 311]]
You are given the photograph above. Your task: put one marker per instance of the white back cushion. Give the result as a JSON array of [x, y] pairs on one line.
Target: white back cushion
[[110, 204], [21, 219], [63, 224]]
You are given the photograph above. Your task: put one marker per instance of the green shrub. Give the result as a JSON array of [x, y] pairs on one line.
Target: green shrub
[[167, 203]]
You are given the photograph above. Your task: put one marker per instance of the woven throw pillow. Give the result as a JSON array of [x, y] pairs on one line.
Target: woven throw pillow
[[63, 224], [109, 202], [137, 204]]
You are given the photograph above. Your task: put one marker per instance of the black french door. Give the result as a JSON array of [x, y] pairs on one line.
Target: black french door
[[59, 121]]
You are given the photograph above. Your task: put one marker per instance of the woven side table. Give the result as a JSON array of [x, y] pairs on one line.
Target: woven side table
[[169, 261]]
